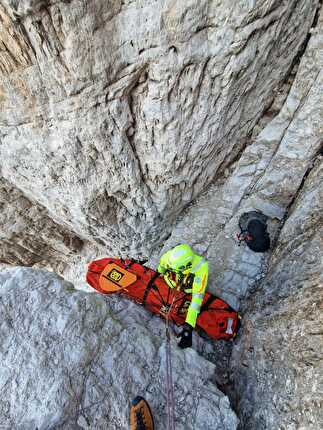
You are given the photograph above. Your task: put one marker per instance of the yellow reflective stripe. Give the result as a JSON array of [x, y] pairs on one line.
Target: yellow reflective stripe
[[196, 306], [203, 284], [199, 265], [204, 280], [188, 290], [169, 282], [198, 296]]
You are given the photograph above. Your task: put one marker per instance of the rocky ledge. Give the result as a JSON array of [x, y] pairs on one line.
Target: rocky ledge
[[75, 360]]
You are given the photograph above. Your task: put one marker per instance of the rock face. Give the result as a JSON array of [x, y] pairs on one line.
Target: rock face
[[25, 229], [115, 115], [277, 362], [30, 237], [76, 360], [266, 178]]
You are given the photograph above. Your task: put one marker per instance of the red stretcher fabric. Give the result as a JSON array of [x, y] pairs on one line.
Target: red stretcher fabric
[[216, 319]]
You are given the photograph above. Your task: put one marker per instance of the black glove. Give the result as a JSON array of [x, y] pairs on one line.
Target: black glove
[[186, 337]]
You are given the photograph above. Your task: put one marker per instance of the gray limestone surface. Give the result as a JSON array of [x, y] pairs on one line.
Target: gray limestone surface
[[266, 178], [277, 362], [20, 220], [114, 115], [75, 360]]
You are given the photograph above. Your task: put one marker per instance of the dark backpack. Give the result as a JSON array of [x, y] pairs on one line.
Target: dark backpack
[[253, 227]]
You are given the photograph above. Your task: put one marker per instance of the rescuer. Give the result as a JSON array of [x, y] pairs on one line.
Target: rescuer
[[188, 271]]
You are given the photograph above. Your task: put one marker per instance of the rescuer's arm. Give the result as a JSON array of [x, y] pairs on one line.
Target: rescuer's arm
[[163, 264], [198, 291], [165, 269]]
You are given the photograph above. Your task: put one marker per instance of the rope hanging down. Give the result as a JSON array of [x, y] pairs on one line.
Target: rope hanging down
[[169, 374]]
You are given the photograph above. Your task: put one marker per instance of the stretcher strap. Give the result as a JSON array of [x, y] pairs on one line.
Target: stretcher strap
[[208, 303], [150, 285]]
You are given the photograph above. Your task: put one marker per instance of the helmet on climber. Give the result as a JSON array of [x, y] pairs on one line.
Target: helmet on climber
[[180, 258]]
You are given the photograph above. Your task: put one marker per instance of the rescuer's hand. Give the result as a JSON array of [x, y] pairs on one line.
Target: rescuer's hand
[[186, 337]]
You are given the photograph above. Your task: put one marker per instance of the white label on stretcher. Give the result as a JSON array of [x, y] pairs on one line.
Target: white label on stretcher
[[229, 327]]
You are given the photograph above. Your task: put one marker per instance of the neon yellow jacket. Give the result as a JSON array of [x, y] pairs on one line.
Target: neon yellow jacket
[[200, 270]]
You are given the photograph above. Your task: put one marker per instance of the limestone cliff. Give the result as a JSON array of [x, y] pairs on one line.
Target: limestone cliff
[[72, 360], [266, 177], [116, 114], [126, 127], [277, 362]]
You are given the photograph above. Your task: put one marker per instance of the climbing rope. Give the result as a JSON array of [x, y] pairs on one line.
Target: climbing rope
[[169, 374]]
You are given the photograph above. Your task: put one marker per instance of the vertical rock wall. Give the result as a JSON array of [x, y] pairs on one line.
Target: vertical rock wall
[[25, 229], [114, 115], [277, 362], [266, 178]]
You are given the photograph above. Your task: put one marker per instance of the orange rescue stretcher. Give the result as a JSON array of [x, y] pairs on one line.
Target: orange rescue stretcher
[[147, 287]]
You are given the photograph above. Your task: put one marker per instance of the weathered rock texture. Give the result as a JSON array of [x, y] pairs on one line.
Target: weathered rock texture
[[116, 114], [76, 360], [266, 177], [277, 363], [30, 237], [24, 232]]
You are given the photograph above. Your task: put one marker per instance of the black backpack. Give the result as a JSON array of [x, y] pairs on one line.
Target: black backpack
[[253, 227]]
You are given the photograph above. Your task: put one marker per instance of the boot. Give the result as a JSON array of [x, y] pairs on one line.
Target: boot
[[140, 415]]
